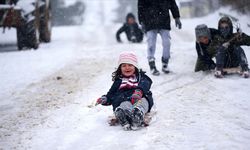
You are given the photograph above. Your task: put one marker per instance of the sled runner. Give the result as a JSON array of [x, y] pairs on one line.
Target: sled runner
[[235, 70]]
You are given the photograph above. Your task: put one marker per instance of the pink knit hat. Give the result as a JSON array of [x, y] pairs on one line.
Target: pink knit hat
[[128, 58]]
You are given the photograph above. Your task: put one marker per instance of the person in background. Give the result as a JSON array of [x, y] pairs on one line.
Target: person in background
[[204, 36], [154, 17], [130, 27], [130, 93], [227, 44]]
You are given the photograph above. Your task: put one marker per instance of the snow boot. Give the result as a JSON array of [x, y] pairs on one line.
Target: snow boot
[[218, 73], [153, 69], [165, 65], [245, 74], [137, 120], [245, 71], [129, 115], [126, 127], [121, 116]]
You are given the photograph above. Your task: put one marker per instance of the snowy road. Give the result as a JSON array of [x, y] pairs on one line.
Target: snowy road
[[45, 99]]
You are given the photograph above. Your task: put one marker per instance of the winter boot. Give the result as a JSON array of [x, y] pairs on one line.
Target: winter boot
[[153, 69], [120, 115], [137, 120], [165, 65], [245, 72], [129, 115], [218, 73]]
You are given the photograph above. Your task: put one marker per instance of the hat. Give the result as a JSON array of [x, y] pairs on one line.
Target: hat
[[202, 31], [130, 15], [227, 20], [128, 58]]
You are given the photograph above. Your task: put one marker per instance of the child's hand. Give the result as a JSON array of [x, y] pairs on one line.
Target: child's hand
[[101, 100], [137, 95]]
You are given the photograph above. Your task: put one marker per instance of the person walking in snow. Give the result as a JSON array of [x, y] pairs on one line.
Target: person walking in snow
[[130, 93], [154, 17], [227, 44], [130, 27], [204, 37]]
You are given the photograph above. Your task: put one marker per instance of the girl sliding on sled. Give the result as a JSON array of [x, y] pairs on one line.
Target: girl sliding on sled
[[130, 93]]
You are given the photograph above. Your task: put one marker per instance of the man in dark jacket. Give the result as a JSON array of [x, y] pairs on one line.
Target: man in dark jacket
[[204, 36], [130, 27], [227, 45], [154, 16]]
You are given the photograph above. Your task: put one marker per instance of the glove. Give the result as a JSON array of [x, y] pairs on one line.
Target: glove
[[178, 23], [101, 100], [226, 44], [239, 31], [136, 96]]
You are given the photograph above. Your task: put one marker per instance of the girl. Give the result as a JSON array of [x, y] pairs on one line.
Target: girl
[[130, 93]]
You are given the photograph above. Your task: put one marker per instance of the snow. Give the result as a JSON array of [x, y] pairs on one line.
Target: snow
[[47, 95], [26, 5], [8, 6]]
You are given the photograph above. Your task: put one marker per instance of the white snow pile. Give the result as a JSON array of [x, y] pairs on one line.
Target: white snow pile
[[47, 95]]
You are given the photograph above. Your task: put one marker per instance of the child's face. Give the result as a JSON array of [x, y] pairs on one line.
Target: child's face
[[127, 69], [131, 20], [204, 39], [224, 25]]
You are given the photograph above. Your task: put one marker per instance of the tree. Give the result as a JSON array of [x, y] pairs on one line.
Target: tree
[[242, 6]]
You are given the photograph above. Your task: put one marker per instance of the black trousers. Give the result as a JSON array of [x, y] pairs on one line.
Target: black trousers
[[231, 57]]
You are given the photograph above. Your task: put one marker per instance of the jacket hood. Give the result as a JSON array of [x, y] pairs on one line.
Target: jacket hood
[[228, 21]]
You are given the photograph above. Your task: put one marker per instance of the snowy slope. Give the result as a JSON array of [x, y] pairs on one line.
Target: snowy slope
[[46, 94]]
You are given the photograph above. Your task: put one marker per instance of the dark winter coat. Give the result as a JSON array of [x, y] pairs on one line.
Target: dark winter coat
[[154, 14], [116, 96], [132, 31], [204, 61]]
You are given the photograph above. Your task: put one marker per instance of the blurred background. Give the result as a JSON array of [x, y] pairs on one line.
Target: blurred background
[[92, 15], [72, 12]]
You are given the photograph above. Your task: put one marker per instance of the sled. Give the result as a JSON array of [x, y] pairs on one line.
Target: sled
[[235, 70]]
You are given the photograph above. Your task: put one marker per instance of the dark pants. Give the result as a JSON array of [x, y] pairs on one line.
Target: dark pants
[[136, 37], [229, 58]]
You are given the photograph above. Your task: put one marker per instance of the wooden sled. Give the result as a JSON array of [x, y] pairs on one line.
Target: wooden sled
[[235, 70]]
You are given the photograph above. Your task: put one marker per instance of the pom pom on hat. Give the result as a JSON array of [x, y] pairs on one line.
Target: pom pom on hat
[[128, 58]]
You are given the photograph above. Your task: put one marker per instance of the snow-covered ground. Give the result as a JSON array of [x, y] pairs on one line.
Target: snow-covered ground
[[46, 94]]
